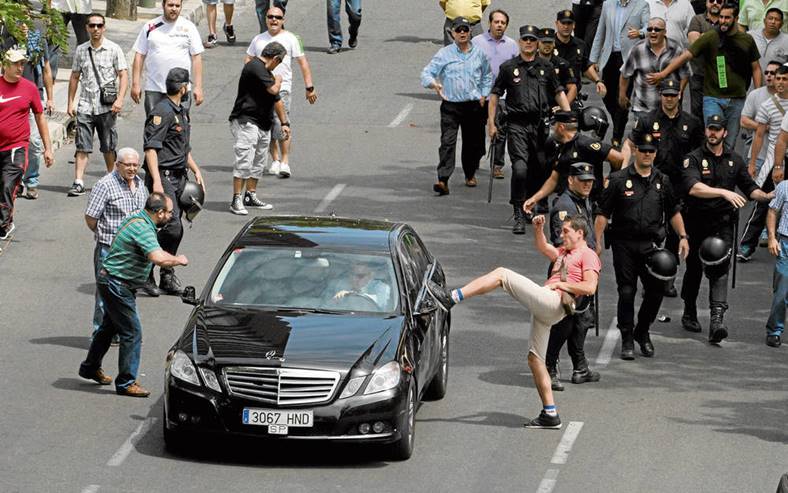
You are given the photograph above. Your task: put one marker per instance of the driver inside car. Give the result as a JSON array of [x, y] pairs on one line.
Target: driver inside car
[[361, 281]]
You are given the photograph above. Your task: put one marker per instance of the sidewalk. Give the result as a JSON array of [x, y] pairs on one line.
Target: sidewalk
[[124, 33]]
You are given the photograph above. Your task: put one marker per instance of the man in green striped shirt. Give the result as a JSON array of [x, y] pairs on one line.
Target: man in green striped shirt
[[133, 252]]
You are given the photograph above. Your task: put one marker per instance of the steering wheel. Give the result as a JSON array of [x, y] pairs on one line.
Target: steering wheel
[[370, 304]]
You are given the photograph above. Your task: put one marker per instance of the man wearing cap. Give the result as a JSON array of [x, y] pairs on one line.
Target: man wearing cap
[[572, 329], [461, 75], [575, 52], [18, 97], [674, 131], [471, 10], [168, 158], [651, 54], [711, 174], [639, 201], [531, 88], [565, 73], [574, 147], [499, 48]]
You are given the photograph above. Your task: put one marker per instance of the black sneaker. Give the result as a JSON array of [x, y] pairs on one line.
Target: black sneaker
[[229, 33], [210, 42], [76, 190], [251, 200], [545, 421], [773, 341]]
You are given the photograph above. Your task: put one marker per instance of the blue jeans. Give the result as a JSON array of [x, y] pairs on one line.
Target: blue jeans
[[99, 254], [730, 108], [776, 322], [34, 155], [120, 317], [353, 9]]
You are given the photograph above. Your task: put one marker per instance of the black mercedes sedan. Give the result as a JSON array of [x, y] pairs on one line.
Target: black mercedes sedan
[[312, 328]]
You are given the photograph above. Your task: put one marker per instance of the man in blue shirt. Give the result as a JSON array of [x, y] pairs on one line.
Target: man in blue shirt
[[777, 226], [462, 77]]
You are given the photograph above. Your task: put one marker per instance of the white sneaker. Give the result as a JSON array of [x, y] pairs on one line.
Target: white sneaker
[[8, 233], [274, 169], [284, 170], [237, 206]]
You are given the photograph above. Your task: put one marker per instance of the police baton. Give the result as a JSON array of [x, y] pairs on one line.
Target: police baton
[[596, 311], [735, 246], [491, 152]]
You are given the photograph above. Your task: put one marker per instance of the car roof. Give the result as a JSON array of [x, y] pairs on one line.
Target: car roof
[[318, 231]]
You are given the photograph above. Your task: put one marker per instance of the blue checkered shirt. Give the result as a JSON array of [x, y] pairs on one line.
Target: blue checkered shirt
[[778, 203], [465, 76], [110, 201]]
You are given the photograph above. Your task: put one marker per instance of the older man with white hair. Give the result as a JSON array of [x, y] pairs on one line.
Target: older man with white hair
[[112, 199]]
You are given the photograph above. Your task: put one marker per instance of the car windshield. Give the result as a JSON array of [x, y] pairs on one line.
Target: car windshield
[[308, 279]]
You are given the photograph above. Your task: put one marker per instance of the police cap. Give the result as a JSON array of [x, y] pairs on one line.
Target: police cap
[[547, 34], [716, 121], [565, 15], [582, 171], [669, 87], [529, 31], [644, 141]]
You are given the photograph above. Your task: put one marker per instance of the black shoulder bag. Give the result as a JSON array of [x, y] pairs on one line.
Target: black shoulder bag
[[108, 93]]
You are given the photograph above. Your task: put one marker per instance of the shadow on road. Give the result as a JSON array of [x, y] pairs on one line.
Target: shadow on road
[[427, 96], [80, 385], [77, 342], [493, 418], [414, 39]]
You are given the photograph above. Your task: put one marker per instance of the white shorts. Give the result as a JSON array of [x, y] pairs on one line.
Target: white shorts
[[214, 2], [251, 149]]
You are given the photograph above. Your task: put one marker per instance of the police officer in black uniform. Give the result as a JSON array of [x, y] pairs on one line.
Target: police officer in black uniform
[[167, 161], [710, 175], [575, 52], [572, 329], [531, 89], [676, 132], [639, 201], [563, 70], [574, 147]]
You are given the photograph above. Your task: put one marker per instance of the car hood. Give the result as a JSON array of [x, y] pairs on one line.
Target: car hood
[[307, 340]]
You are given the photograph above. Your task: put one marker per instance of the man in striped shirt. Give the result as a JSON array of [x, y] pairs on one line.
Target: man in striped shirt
[[462, 77], [127, 266]]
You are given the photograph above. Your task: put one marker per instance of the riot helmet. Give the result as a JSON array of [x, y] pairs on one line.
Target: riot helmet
[[662, 265], [714, 251], [191, 200], [594, 118]]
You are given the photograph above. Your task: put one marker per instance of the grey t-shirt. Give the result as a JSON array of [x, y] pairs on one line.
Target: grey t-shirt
[[754, 100], [771, 49]]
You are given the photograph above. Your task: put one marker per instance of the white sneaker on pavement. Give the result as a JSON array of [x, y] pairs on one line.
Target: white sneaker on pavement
[[284, 170], [237, 206], [274, 169]]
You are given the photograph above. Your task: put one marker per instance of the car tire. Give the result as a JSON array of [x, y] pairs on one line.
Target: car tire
[[402, 449], [439, 383]]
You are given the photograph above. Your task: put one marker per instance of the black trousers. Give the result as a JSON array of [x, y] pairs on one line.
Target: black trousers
[[757, 220], [528, 167], [12, 166], [696, 95], [172, 181], [698, 229], [610, 75], [629, 262], [586, 21], [572, 331], [468, 117]]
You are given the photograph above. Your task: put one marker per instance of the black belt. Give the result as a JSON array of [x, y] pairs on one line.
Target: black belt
[[172, 171]]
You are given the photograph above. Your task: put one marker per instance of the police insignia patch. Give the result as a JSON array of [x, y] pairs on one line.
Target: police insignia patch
[[656, 125], [704, 163], [730, 163], [574, 154], [579, 51], [684, 128], [516, 72], [595, 146], [686, 163], [541, 72], [555, 52], [659, 185], [157, 120], [562, 215], [176, 119], [629, 183]]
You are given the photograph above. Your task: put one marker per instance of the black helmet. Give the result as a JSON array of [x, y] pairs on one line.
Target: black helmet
[[662, 265], [594, 118], [191, 200], [714, 251]]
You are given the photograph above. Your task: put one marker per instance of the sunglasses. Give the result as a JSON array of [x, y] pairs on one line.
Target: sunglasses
[[770, 72], [462, 29], [95, 26], [275, 17], [718, 2], [655, 29]]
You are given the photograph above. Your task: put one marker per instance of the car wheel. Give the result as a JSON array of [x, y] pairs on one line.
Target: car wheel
[[403, 448], [437, 388]]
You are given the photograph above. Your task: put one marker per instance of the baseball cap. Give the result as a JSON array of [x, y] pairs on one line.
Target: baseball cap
[[15, 55], [459, 22]]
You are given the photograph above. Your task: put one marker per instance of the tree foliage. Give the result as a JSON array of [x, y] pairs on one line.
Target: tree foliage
[[16, 12]]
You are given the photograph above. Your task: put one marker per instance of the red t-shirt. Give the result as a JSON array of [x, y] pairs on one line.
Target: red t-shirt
[[16, 101], [577, 261]]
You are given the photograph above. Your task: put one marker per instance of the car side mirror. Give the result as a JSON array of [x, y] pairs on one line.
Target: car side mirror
[[425, 309], [189, 295], [440, 293]]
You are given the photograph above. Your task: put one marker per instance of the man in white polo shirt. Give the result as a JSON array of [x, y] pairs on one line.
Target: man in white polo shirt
[[167, 42], [275, 19]]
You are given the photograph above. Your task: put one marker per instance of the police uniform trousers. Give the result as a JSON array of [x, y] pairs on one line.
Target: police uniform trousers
[[172, 181], [698, 229], [757, 219], [528, 166], [499, 144], [629, 262], [468, 117], [610, 75], [572, 331]]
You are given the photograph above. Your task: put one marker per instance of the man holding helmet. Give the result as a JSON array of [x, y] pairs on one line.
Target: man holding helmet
[[710, 174], [640, 201]]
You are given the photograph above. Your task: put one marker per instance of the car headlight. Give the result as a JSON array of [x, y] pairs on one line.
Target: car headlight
[[384, 378], [209, 377], [182, 368], [352, 386]]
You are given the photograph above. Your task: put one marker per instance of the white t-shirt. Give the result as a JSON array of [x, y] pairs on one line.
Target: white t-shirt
[[293, 45], [167, 45], [73, 6]]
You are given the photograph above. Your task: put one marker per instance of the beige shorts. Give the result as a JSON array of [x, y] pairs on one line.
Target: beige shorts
[[543, 303]]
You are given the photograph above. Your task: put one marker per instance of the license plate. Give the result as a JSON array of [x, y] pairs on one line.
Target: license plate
[[277, 421]]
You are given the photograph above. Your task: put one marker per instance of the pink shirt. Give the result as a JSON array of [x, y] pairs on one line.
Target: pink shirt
[[577, 261], [16, 101]]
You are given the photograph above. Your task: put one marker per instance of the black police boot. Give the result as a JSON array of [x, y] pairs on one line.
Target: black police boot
[[555, 380], [670, 290], [519, 219], [627, 345], [169, 283], [583, 373], [717, 330], [150, 287], [689, 319], [644, 341]]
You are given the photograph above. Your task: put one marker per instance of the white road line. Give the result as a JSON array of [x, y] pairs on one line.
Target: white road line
[[330, 196], [125, 449], [401, 116], [91, 488], [611, 339], [548, 482], [565, 445]]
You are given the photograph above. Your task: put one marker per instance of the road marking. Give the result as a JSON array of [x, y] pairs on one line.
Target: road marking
[[611, 339], [548, 482], [330, 196], [565, 445], [401, 116], [125, 449], [91, 488]]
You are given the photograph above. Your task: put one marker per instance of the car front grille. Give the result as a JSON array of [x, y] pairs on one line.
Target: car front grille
[[281, 386]]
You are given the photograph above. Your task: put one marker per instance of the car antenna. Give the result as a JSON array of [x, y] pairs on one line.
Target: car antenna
[[333, 213]]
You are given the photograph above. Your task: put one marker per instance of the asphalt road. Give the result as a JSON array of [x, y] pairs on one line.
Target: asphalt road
[[694, 418]]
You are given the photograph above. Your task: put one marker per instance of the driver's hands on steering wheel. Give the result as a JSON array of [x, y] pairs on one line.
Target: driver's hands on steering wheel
[[341, 294]]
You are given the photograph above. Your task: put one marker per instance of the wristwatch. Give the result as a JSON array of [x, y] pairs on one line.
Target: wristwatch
[[310, 88], [285, 124], [684, 237]]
